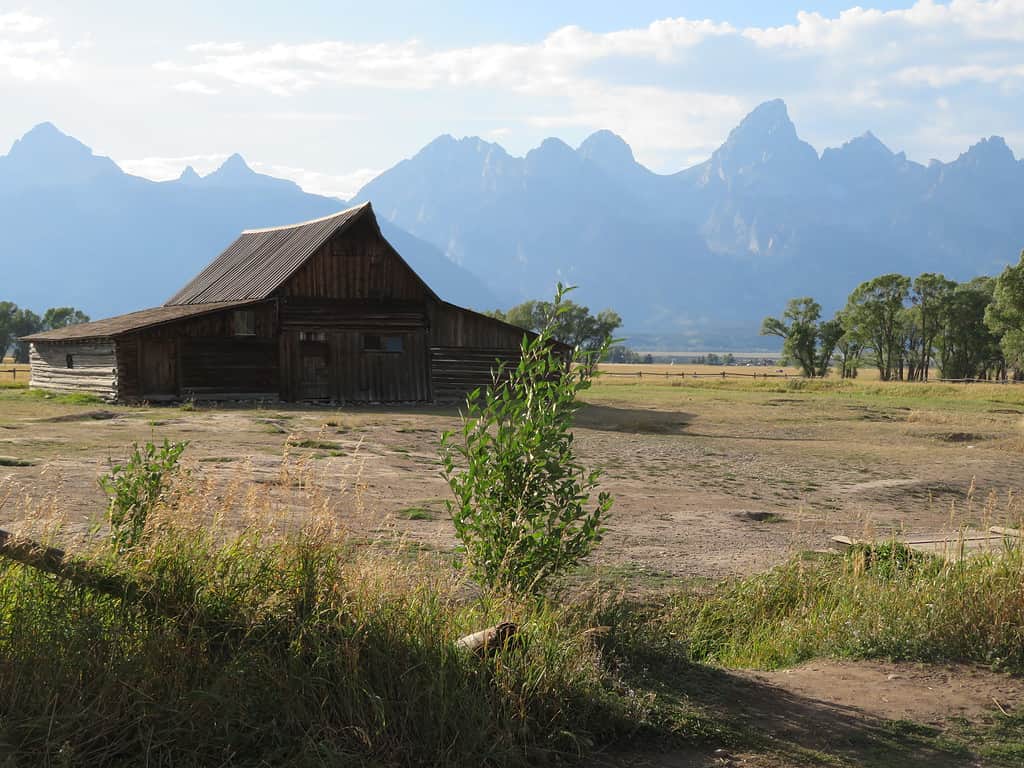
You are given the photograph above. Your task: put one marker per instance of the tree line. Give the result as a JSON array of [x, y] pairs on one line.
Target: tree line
[[16, 322], [906, 327]]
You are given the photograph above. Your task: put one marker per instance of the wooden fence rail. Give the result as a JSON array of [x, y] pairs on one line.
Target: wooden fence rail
[[14, 372], [740, 375]]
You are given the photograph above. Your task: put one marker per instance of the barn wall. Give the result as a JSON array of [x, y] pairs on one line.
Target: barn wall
[[356, 264], [94, 370], [203, 358], [338, 368], [466, 349]]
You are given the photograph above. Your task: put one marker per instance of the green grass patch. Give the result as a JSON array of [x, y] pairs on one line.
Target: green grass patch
[[73, 398], [12, 461], [322, 445], [416, 513], [880, 602], [295, 651]]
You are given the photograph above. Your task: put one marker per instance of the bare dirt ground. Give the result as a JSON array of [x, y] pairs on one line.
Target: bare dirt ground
[[709, 482]]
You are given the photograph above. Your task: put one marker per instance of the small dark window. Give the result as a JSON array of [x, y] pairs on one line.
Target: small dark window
[[245, 322], [69, 361], [375, 342], [312, 336]]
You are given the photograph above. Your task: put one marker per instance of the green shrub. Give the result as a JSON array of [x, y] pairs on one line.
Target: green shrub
[[522, 500], [136, 487]]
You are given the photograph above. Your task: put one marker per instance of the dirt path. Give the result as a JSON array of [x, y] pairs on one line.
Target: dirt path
[[846, 713]]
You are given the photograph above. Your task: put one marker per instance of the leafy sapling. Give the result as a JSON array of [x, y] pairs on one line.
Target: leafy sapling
[[522, 510]]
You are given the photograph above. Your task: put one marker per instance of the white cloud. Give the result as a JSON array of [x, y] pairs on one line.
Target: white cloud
[[653, 118], [166, 168], [284, 68], [195, 86], [971, 19], [20, 22], [332, 185], [26, 55], [941, 77]]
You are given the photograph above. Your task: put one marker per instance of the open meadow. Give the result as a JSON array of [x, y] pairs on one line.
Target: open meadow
[[727, 492]]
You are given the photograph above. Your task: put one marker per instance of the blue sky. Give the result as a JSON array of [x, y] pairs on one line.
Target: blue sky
[[329, 93]]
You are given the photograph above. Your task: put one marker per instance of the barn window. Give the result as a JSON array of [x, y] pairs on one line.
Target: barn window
[[375, 342], [312, 336], [245, 322], [69, 361]]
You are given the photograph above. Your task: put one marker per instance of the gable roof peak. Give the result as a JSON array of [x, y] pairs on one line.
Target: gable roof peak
[[348, 212]]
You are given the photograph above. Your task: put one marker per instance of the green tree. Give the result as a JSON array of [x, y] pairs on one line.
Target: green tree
[[1005, 315], [875, 313], [25, 322], [830, 333], [8, 310], [929, 296], [61, 317], [967, 348], [522, 509], [569, 322], [798, 328], [849, 348]]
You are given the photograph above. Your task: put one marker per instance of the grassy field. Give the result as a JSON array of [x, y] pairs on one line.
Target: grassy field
[[312, 554], [13, 375]]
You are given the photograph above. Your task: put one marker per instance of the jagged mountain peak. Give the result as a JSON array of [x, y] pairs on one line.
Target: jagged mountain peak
[[767, 121], [189, 175], [607, 149], [992, 152], [45, 156], [763, 148]]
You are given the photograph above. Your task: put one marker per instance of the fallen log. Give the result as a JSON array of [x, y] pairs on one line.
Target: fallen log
[[75, 570], [489, 641]]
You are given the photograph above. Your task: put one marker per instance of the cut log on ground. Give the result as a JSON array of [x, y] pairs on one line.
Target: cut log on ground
[[491, 640]]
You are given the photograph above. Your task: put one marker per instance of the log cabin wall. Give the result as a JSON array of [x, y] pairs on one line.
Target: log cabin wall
[[466, 349], [88, 366], [215, 356]]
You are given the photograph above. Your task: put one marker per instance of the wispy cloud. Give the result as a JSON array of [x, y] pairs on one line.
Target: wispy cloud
[[28, 51], [195, 86]]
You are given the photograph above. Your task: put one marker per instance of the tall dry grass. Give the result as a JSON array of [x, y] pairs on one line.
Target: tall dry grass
[[281, 642], [879, 600]]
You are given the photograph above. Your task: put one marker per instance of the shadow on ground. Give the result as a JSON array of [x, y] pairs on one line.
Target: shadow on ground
[[633, 420], [724, 719]]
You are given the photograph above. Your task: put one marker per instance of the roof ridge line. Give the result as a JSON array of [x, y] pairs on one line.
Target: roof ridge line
[[304, 223]]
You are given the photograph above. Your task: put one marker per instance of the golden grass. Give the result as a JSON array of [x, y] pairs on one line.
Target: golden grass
[[13, 374]]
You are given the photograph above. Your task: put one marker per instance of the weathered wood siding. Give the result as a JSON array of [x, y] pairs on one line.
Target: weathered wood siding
[[93, 368], [202, 358], [466, 349], [356, 264], [354, 374], [354, 285]]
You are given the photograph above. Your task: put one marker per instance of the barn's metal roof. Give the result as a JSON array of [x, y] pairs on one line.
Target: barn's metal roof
[[133, 321], [260, 260]]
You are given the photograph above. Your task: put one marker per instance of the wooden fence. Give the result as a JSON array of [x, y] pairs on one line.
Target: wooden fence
[[654, 375]]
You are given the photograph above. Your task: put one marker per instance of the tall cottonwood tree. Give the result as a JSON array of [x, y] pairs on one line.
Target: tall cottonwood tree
[[1005, 314], [875, 313], [798, 329]]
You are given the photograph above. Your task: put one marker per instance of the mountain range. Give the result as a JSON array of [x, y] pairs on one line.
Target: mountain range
[[691, 259]]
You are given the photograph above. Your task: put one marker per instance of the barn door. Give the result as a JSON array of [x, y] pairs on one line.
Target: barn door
[[159, 368], [314, 372]]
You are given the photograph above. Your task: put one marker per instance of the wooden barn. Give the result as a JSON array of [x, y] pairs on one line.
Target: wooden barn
[[325, 310]]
